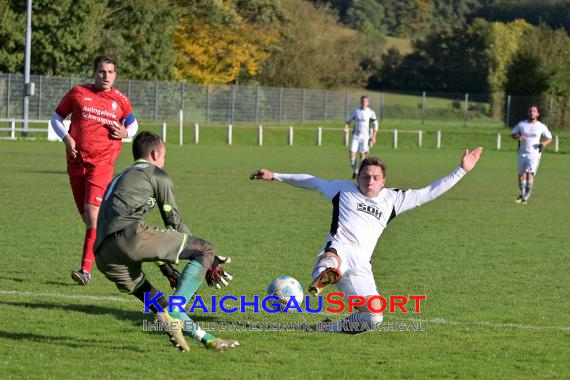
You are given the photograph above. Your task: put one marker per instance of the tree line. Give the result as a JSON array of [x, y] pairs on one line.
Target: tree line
[[476, 46]]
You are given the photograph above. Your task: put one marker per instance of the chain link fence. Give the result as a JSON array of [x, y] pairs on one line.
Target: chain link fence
[[232, 104]]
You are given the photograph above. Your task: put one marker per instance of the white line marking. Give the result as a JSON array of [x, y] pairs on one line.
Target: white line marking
[[433, 320]]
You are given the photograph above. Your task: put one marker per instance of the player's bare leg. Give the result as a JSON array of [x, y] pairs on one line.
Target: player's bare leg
[[326, 273], [529, 186]]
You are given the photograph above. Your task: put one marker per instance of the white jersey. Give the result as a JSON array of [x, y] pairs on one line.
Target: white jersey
[[357, 220], [532, 133], [362, 119]]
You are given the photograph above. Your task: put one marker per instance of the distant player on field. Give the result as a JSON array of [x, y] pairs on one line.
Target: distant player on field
[[361, 212], [101, 117], [529, 133], [361, 134], [124, 241]]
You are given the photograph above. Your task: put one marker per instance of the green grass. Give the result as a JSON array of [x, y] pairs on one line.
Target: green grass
[[495, 273]]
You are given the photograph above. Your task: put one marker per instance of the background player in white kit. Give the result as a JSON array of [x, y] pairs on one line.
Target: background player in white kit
[[529, 132], [361, 135], [361, 212]]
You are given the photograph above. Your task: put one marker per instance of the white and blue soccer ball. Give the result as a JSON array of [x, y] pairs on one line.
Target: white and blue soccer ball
[[286, 287]]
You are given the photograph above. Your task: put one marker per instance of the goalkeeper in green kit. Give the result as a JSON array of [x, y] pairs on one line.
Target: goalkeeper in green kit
[[124, 241]]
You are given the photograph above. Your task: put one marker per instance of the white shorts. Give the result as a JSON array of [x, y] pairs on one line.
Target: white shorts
[[528, 163], [357, 277], [359, 145]]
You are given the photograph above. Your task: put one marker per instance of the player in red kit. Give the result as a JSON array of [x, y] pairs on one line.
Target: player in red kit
[[101, 116]]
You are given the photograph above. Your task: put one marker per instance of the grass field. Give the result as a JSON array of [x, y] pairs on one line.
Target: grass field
[[495, 273]]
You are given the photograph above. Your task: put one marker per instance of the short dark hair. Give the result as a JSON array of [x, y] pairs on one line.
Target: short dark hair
[[144, 143], [363, 97], [533, 106], [103, 59], [372, 161]]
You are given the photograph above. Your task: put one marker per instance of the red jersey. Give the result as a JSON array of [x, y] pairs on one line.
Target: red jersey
[[93, 113]]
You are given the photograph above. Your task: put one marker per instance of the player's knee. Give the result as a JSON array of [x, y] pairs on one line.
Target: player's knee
[[207, 254]]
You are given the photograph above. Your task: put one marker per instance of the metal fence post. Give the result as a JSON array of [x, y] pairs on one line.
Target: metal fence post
[[303, 107], [346, 106], [438, 140], [260, 135], [395, 139], [182, 96], [420, 138], [345, 138], [232, 104], [556, 144], [230, 134], [498, 141], [163, 132], [319, 136], [325, 105], [290, 137], [40, 97], [280, 105], [129, 89], [8, 91], [257, 105], [155, 99], [196, 133]]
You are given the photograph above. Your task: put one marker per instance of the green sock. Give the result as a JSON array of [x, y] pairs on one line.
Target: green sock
[[190, 280], [188, 284]]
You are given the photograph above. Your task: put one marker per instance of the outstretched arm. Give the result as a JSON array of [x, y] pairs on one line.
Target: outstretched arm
[[305, 181], [410, 199]]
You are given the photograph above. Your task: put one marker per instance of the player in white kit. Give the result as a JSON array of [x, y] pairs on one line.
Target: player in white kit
[[362, 134], [361, 212], [529, 133]]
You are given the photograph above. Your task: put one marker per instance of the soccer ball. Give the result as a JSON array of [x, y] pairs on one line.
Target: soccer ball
[[286, 287]]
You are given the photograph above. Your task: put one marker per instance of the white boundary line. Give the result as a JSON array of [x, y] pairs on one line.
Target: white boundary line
[[520, 326]]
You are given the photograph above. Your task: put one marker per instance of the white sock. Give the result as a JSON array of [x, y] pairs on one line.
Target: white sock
[[528, 189]]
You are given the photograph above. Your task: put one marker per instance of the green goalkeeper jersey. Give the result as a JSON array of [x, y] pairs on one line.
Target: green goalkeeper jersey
[[133, 193]]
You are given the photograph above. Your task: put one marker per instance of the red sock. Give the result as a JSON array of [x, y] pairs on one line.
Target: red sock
[[88, 255]]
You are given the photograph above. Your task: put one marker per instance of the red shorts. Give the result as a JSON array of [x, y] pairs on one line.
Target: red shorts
[[89, 181]]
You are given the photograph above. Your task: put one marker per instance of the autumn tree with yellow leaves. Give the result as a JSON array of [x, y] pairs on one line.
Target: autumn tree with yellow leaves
[[224, 41]]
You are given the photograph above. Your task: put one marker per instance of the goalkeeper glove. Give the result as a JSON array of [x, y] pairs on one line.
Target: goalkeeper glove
[[540, 147], [216, 276], [171, 274]]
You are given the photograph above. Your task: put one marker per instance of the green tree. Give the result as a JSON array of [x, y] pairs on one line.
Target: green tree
[[540, 69], [65, 36], [11, 38], [314, 50], [224, 41], [503, 42], [139, 34]]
